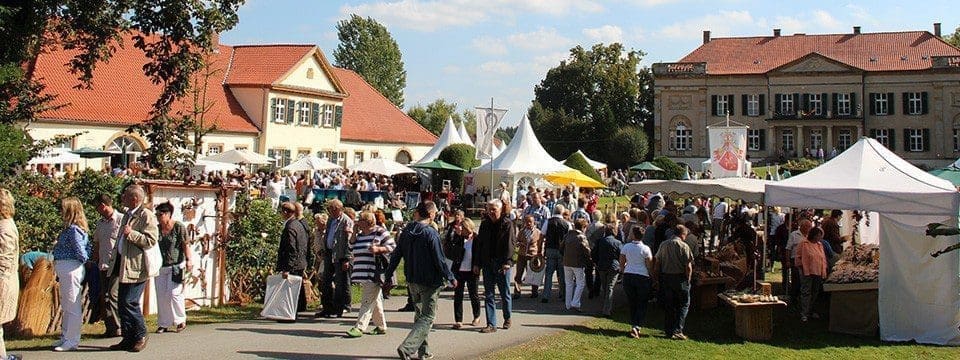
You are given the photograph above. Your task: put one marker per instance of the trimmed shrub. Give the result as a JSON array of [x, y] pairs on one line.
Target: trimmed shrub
[[579, 162], [671, 170], [462, 155], [799, 166]]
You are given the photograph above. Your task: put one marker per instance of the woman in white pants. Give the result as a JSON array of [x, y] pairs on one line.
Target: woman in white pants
[[69, 255], [371, 243], [9, 258], [176, 254], [576, 257]]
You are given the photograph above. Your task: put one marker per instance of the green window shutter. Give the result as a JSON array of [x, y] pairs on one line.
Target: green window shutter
[[824, 104], [778, 108], [890, 104], [834, 100], [906, 103], [273, 110], [291, 108], [763, 105], [924, 109], [743, 104], [338, 116], [730, 107], [873, 103], [796, 103], [926, 139], [315, 114], [713, 105], [853, 105], [763, 139], [906, 139], [891, 134], [804, 105], [873, 133]]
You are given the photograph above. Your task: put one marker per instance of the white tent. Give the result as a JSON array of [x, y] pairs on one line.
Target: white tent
[[382, 166], [746, 189], [464, 135], [56, 156], [448, 137], [593, 163], [240, 157], [919, 296], [523, 158], [311, 163]]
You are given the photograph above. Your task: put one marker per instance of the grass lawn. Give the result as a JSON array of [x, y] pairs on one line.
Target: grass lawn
[[712, 336]]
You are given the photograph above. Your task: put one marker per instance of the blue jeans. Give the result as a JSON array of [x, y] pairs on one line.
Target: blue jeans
[[493, 278], [425, 304], [131, 316], [554, 265], [637, 288], [676, 302]]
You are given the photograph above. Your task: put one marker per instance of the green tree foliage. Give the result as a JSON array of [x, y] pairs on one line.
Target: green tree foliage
[[578, 162], [368, 48], [671, 170], [252, 249], [630, 144], [461, 155], [14, 149], [582, 103], [953, 39], [434, 116]]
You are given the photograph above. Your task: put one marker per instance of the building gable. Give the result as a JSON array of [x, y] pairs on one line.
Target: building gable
[[312, 74], [815, 63]]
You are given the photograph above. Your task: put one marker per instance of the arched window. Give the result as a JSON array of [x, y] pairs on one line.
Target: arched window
[[403, 157], [126, 149]]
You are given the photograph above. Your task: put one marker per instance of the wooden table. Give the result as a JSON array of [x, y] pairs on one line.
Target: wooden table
[[754, 321], [705, 292]]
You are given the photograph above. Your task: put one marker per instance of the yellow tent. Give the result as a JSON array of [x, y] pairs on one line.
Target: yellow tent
[[573, 176]]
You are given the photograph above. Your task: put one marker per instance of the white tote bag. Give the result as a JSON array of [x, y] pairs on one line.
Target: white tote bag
[[153, 260], [280, 300], [533, 278]]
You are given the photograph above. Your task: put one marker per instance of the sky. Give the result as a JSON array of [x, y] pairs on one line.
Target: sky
[[468, 52]]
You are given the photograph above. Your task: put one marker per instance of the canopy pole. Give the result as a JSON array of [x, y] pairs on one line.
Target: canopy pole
[[491, 156]]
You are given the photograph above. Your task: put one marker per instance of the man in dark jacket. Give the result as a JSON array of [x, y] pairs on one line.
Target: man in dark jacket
[[493, 255], [292, 254], [425, 269], [336, 261], [553, 231], [606, 259]]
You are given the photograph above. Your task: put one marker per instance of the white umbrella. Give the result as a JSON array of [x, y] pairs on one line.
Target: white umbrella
[[209, 166], [56, 157], [383, 167], [310, 162], [240, 157]]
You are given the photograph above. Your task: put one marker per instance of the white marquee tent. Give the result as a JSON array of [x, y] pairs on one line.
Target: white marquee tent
[[464, 135], [448, 137], [593, 163], [919, 296], [745, 189], [523, 157]]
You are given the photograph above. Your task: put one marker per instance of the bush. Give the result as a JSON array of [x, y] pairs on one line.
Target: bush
[[671, 170], [462, 155], [252, 249], [798, 166], [627, 146], [14, 149], [579, 162]]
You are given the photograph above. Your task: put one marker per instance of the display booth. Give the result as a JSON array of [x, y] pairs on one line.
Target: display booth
[[918, 296]]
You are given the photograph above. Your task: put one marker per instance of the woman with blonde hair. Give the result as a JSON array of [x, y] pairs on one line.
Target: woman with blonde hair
[[69, 255], [9, 255], [371, 247]]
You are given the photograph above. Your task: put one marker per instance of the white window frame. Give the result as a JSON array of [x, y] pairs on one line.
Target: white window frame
[[786, 104], [956, 140], [374, 154], [844, 139], [301, 153], [722, 105], [753, 139], [788, 140], [816, 138], [303, 113], [914, 103], [327, 116], [357, 157], [881, 104], [753, 105], [915, 140], [214, 149], [882, 136], [342, 159], [683, 137], [816, 104], [280, 112], [843, 104]]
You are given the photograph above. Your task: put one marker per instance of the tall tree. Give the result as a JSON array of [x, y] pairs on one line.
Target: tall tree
[[173, 34], [368, 48], [434, 116], [582, 102], [953, 39]]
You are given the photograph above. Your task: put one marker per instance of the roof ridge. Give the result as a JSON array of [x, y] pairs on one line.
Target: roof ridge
[[828, 34], [272, 45], [226, 73]]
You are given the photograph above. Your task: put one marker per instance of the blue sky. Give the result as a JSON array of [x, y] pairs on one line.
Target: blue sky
[[469, 51]]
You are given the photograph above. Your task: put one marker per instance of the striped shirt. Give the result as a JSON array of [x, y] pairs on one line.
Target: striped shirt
[[364, 266]]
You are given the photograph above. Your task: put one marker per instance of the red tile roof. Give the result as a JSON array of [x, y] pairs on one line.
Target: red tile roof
[[122, 95], [264, 64], [368, 116], [893, 51]]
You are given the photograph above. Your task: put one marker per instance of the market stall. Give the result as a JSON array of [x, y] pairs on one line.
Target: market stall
[[918, 296]]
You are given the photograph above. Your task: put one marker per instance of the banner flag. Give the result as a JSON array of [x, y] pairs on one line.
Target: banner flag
[[488, 121], [728, 146]]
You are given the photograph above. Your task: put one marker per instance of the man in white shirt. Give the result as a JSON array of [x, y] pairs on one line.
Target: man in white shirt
[[504, 194], [719, 213], [105, 238]]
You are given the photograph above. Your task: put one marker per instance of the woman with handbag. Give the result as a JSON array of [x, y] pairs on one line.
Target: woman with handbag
[[175, 252], [370, 248], [69, 255]]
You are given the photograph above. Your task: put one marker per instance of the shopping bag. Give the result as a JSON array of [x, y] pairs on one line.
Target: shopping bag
[[531, 277], [280, 300]]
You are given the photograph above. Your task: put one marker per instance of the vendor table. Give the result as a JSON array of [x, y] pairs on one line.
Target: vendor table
[[754, 321], [853, 308], [705, 291]]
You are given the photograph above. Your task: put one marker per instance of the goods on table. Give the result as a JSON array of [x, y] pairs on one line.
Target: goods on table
[[859, 263], [747, 298]]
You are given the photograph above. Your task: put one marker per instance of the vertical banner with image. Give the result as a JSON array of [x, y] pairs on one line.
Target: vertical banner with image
[[728, 146], [488, 121]]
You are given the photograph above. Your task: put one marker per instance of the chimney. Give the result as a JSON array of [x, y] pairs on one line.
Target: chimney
[[776, 32], [936, 29], [706, 36], [856, 30], [215, 42]]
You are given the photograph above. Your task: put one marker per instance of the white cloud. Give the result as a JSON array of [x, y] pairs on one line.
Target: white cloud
[[498, 68], [815, 22], [605, 34], [489, 45], [542, 63], [451, 69], [723, 23], [422, 15], [541, 39], [650, 3]]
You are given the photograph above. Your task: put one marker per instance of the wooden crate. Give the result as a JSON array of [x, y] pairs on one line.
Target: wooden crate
[[754, 323]]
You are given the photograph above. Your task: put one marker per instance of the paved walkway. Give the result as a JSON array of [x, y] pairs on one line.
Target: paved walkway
[[325, 338]]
